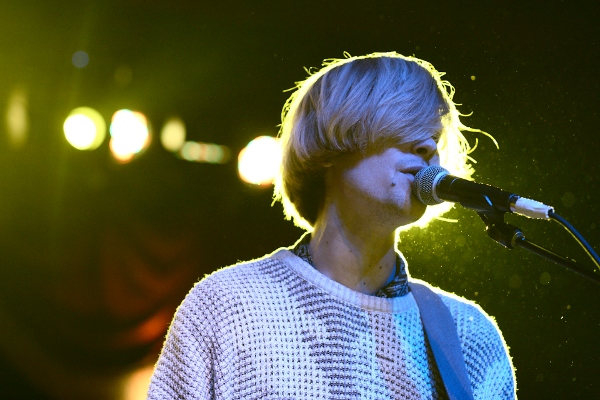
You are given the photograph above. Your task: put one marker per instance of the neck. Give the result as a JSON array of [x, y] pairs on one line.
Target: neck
[[359, 258]]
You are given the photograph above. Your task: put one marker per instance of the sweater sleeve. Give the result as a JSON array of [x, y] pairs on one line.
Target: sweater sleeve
[[185, 367]]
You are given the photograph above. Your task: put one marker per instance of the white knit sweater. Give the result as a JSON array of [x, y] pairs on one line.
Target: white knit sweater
[[276, 328]]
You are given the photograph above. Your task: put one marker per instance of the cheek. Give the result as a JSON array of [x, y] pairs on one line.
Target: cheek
[[399, 188], [371, 187], [366, 176]]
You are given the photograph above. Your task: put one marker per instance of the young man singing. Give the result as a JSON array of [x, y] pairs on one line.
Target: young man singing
[[333, 316]]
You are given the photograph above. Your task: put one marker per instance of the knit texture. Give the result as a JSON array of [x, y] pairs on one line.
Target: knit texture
[[276, 328], [398, 286]]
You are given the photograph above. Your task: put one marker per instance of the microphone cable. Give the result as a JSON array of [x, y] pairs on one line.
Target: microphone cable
[[578, 237]]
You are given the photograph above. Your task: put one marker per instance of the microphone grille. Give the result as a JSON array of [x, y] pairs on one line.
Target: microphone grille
[[423, 185]]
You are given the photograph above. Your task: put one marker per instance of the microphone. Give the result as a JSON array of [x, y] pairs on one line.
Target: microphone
[[434, 185]]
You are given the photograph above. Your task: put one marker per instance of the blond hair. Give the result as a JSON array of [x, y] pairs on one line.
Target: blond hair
[[359, 103]]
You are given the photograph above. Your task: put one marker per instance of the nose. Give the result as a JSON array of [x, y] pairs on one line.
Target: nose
[[426, 148]]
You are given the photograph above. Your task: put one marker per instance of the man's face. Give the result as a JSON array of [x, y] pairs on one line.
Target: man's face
[[377, 186]]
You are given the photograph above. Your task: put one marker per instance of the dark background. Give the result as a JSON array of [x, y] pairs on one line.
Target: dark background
[[95, 256]]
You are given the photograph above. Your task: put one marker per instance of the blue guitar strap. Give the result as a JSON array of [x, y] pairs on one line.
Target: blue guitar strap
[[443, 338]]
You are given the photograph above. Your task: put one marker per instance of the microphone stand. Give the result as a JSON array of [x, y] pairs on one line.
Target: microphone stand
[[511, 236]]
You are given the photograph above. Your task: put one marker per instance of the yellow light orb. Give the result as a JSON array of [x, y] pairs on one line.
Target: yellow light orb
[[214, 154], [136, 384], [204, 152], [172, 135], [193, 151], [85, 128], [17, 119], [129, 134], [259, 161]]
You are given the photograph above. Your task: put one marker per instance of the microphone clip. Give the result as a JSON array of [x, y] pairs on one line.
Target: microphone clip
[[506, 234], [511, 236]]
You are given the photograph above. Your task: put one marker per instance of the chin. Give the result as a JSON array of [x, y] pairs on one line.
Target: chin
[[416, 213], [413, 215], [417, 207], [414, 218]]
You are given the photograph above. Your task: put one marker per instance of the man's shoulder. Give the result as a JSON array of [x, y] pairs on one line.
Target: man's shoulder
[[465, 312], [233, 286], [484, 348], [243, 273]]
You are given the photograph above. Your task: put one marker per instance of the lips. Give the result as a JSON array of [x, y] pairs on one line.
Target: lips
[[412, 170]]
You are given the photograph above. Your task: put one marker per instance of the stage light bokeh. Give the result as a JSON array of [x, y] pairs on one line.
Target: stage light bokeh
[[205, 152], [129, 133], [16, 118], [123, 75], [80, 59], [85, 128], [135, 385], [172, 135], [259, 161]]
